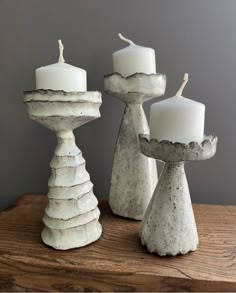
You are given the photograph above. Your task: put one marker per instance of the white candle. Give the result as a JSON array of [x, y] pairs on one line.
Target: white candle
[[178, 119], [133, 59], [61, 76]]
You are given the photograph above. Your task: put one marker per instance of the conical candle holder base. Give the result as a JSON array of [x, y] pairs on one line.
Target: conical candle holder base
[[134, 176], [169, 227]]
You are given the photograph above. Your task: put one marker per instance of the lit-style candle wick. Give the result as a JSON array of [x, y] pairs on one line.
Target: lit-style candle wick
[[61, 48], [61, 76], [185, 80], [125, 39]]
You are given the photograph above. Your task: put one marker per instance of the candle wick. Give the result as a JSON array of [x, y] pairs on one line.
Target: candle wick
[[125, 39], [61, 48], [185, 80]]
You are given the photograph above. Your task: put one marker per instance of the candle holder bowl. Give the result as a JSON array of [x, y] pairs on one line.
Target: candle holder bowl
[[134, 176], [71, 217], [168, 227]]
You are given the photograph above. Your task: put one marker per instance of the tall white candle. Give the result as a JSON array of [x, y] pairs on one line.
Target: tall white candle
[[133, 59], [61, 76], [178, 119]]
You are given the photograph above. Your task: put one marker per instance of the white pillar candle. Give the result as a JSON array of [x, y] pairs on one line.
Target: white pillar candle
[[61, 76], [133, 59], [178, 119]]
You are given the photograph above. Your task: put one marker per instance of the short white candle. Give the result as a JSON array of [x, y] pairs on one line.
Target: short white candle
[[61, 76], [134, 59], [178, 119]]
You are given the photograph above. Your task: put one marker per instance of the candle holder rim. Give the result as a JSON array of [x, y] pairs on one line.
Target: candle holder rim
[[134, 75], [63, 111], [62, 96], [137, 88], [168, 151], [207, 137], [61, 101], [62, 92], [129, 93], [35, 117]]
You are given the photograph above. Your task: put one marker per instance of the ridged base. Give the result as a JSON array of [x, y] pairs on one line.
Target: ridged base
[[71, 216], [73, 237]]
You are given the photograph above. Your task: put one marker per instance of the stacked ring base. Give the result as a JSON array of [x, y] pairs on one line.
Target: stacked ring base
[[64, 239]]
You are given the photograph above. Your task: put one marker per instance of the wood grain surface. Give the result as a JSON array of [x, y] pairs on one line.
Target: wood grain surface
[[116, 262]]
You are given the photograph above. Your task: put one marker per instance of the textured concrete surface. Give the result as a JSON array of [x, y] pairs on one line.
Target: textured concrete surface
[[134, 176]]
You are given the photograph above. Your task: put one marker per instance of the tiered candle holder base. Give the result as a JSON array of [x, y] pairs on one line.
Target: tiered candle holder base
[[134, 176], [71, 216], [169, 227]]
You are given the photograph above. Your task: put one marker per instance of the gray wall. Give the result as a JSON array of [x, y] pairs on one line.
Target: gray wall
[[192, 36]]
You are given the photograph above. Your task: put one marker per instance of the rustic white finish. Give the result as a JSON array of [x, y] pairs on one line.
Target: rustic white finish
[[73, 237], [134, 176], [72, 192], [71, 216], [66, 209], [80, 220], [168, 227], [137, 88]]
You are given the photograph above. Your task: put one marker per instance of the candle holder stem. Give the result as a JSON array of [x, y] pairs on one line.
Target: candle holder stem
[[67, 159], [134, 176], [66, 145]]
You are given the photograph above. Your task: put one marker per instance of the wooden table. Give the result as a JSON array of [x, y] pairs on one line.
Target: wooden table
[[116, 262]]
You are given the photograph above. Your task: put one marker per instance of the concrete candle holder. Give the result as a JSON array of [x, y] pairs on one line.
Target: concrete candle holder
[[169, 227], [71, 216], [134, 176]]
